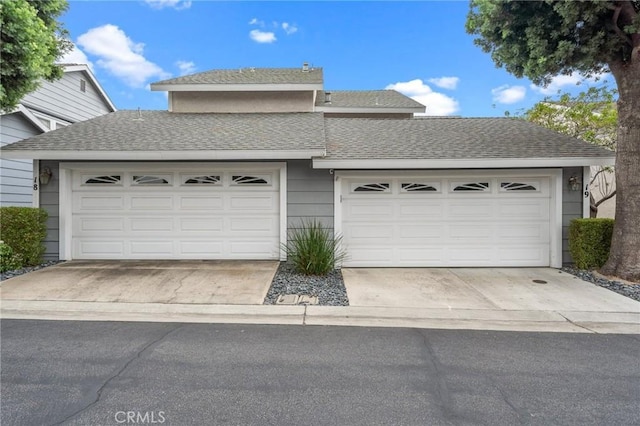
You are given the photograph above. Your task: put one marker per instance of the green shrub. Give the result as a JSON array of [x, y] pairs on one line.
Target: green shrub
[[313, 249], [8, 260], [590, 241], [24, 230]]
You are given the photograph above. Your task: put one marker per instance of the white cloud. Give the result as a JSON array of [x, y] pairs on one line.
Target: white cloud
[[506, 94], [176, 4], [262, 36], [186, 67], [436, 103], [289, 28], [119, 55], [256, 21], [75, 56], [561, 81], [445, 82]]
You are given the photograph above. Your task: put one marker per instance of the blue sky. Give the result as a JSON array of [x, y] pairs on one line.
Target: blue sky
[[418, 48]]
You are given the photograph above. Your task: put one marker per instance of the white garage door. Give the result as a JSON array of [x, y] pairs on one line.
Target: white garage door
[[156, 212], [464, 220]]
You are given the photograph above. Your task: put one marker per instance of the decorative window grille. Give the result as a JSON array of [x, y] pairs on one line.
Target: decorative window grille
[[103, 180], [372, 187], [203, 180], [517, 186], [417, 187], [149, 180], [249, 180], [472, 186]]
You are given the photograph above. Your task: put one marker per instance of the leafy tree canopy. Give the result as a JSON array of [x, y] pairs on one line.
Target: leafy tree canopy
[[32, 40], [541, 39]]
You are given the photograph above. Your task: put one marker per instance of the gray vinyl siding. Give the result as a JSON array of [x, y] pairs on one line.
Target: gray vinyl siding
[[571, 208], [63, 98], [49, 200], [16, 175], [309, 194]]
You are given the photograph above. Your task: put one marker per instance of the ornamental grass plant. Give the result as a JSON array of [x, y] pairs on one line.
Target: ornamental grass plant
[[313, 249]]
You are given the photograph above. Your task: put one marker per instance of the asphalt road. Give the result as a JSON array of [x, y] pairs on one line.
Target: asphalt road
[[110, 373]]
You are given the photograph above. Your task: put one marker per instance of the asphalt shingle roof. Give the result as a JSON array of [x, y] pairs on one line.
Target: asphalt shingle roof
[[449, 138], [367, 99], [166, 131], [344, 138], [251, 76]]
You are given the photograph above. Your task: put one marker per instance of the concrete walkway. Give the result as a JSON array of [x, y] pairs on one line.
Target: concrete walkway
[[468, 319], [473, 299], [224, 282]]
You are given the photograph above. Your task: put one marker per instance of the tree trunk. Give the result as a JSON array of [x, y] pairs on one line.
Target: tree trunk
[[624, 259]]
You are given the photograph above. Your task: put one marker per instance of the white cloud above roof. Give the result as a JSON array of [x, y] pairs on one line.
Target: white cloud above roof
[[560, 82], [438, 104], [289, 28], [506, 94], [262, 36], [445, 82], [175, 4], [186, 67], [75, 56], [120, 55]]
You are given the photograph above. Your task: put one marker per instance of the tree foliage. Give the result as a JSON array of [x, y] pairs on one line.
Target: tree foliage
[[591, 116], [541, 39], [32, 40]]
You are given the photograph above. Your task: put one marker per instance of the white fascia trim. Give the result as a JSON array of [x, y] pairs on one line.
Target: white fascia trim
[[473, 163], [94, 80], [235, 87], [32, 118], [368, 110], [586, 191], [166, 155]]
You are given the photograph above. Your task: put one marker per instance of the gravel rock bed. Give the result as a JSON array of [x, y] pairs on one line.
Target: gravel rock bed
[[10, 274], [630, 290], [330, 289]]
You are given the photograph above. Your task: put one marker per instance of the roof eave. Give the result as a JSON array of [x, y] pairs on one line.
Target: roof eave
[[469, 163], [369, 110], [240, 87], [165, 155]]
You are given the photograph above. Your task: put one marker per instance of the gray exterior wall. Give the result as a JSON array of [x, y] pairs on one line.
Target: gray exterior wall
[[63, 98], [239, 102], [49, 201], [309, 194], [571, 208], [16, 175]]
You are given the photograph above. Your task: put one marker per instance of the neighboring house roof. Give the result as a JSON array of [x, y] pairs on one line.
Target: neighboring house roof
[[347, 100], [145, 135], [238, 79], [452, 143]]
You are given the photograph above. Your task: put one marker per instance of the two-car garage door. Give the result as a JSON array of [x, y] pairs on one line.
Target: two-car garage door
[[440, 219], [168, 212]]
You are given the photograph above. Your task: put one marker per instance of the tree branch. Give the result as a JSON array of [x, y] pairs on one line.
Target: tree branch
[[602, 200], [614, 19]]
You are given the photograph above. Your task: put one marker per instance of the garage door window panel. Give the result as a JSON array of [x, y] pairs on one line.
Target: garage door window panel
[[467, 187], [143, 179], [383, 187], [195, 180], [251, 180], [419, 187], [102, 180], [519, 186]]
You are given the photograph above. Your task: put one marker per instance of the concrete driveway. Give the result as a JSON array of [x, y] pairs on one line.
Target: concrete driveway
[[512, 289], [141, 281]]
